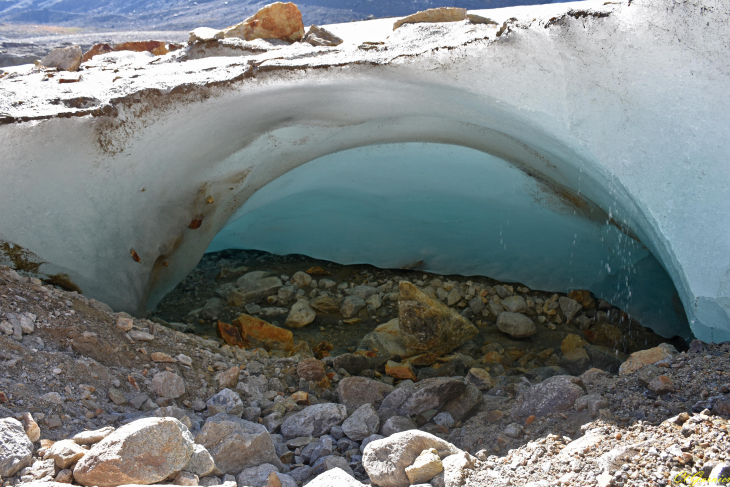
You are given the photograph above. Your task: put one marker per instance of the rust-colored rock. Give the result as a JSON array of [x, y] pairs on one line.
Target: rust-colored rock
[[228, 379], [400, 371], [275, 21], [493, 358], [317, 271], [323, 349], [162, 358], [311, 369], [95, 50], [571, 342], [260, 330], [443, 14], [583, 297], [301, 398], [231, 335], [158, 48], [642, 358]]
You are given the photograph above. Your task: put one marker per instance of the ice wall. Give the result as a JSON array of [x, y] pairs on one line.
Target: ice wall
[[618, 108], [458, 210]]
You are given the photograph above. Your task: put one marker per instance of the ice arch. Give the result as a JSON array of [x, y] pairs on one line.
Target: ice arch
[[460, 211], [623, 108]]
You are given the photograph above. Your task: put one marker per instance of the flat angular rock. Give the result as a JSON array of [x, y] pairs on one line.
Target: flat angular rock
[[351, 306], [256, 476], [65, 453], [317, 36], [555, 394], [228, 378], [168, 384], [427, 394], [258, 330], [642, 358], [275, 21], [235, 443], [252, 290], [314, 420], [16, 449], [386, 460], [427, 466], [64, 58], [443, 14], [463, 405], [569, 307], [397, 424], [428, 325], [201, 462], [516, 325], [226, 401], [353, 392], [300, 315], [145, 451], [363, 423], [326, 305]]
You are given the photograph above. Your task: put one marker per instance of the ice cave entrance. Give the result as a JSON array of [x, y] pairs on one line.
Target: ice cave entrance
[[459, 211]]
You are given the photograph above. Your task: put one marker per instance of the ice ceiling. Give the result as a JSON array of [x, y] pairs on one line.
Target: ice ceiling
[[603, 124]]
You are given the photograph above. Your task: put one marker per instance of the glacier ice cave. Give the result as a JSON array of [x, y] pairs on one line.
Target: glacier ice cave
[[576, 146]]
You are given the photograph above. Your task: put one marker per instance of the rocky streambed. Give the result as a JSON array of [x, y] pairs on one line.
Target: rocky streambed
[[93, 397]]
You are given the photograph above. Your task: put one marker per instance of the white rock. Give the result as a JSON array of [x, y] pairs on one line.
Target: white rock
[[16, 449]]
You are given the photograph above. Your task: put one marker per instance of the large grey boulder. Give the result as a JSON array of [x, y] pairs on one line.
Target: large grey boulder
[[168, 384], [516, 325], [145, 451], [385, 460], [236, 444], [64, 58], [428, 325], [427, 394], [555, 394], [314, 420], [363, 423], [16, 450]]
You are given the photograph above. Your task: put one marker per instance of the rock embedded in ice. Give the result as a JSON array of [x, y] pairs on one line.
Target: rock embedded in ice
[[317, 36], [64, 58], [275, 21], [442, 14], [145, 451], [516, 325]]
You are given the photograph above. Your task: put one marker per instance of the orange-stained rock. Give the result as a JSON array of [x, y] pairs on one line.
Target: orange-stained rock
[[399, 371], [642, 358], [571, 342], [422, 360], [317, 271], [162, 357], [583, 297], [275, 21], [323, 349], [260, 330], [493, 358], [95, 50], [529, 420], [231, 335], [301, 398], [158, 48], [311, 369], [604, 335]]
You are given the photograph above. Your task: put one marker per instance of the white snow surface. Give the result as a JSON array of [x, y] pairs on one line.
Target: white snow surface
[[618, 112]]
